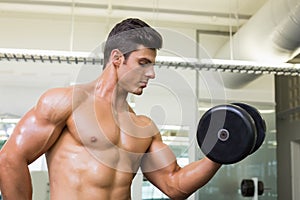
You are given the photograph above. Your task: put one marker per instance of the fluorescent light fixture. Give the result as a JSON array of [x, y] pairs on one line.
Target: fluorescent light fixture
[[272, 142], [47, 52], [9, 120], [267, 111], [173, 127], [203, 109]]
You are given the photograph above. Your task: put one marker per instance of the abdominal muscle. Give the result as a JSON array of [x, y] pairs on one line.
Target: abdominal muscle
[[75, 173]]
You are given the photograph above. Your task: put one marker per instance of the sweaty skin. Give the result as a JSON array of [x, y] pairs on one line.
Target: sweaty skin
[[94, 142]]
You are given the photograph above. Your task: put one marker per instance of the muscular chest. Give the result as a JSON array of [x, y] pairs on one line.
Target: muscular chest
[[98, 128]]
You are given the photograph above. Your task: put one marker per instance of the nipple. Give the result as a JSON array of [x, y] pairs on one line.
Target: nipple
[[93, 139]]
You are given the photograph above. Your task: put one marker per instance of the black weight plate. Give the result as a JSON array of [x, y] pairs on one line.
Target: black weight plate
[[260, 188], [239, 125], [247, 188], [260, 124]]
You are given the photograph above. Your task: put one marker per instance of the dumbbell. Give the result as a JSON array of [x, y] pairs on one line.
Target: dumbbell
[[228, 133], [248, 188]]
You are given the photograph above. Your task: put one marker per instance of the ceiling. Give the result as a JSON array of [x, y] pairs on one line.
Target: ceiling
[[211, 14]]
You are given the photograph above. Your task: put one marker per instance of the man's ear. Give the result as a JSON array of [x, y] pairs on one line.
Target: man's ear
[[116, 57]]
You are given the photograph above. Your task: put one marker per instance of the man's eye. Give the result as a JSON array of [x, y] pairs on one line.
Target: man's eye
[[144, 64]]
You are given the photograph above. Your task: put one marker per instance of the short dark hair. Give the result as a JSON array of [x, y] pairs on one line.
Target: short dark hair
[[127, 35]]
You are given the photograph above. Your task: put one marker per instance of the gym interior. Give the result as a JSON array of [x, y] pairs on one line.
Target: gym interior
[[214, 52]]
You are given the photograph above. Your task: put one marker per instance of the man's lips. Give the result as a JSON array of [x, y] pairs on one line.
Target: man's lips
[[144, 84]]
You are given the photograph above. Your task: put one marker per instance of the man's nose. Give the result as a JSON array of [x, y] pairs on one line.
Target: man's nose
[[150, 72]]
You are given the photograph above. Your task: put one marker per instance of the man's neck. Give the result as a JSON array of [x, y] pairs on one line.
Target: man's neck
[[107, 88], [119, 101]]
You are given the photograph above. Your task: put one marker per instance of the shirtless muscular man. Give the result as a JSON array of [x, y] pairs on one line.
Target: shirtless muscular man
[[93, 141]]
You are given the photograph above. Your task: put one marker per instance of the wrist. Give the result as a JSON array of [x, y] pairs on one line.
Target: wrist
[[214, 164]]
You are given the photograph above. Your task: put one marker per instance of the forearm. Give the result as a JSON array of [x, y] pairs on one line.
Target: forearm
[[195, 175], [15, 181]]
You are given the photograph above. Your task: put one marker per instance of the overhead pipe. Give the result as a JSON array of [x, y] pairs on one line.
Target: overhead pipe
[[270, 36]]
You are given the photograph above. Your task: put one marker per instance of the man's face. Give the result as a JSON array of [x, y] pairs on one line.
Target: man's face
[[137, 70]]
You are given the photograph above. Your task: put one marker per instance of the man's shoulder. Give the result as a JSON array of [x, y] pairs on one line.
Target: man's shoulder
[[55, 96], [70, 95], [55, 104], [144, 118], [141, 120]]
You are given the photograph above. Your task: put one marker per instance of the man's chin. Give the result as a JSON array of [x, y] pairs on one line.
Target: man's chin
[[138, 91]]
